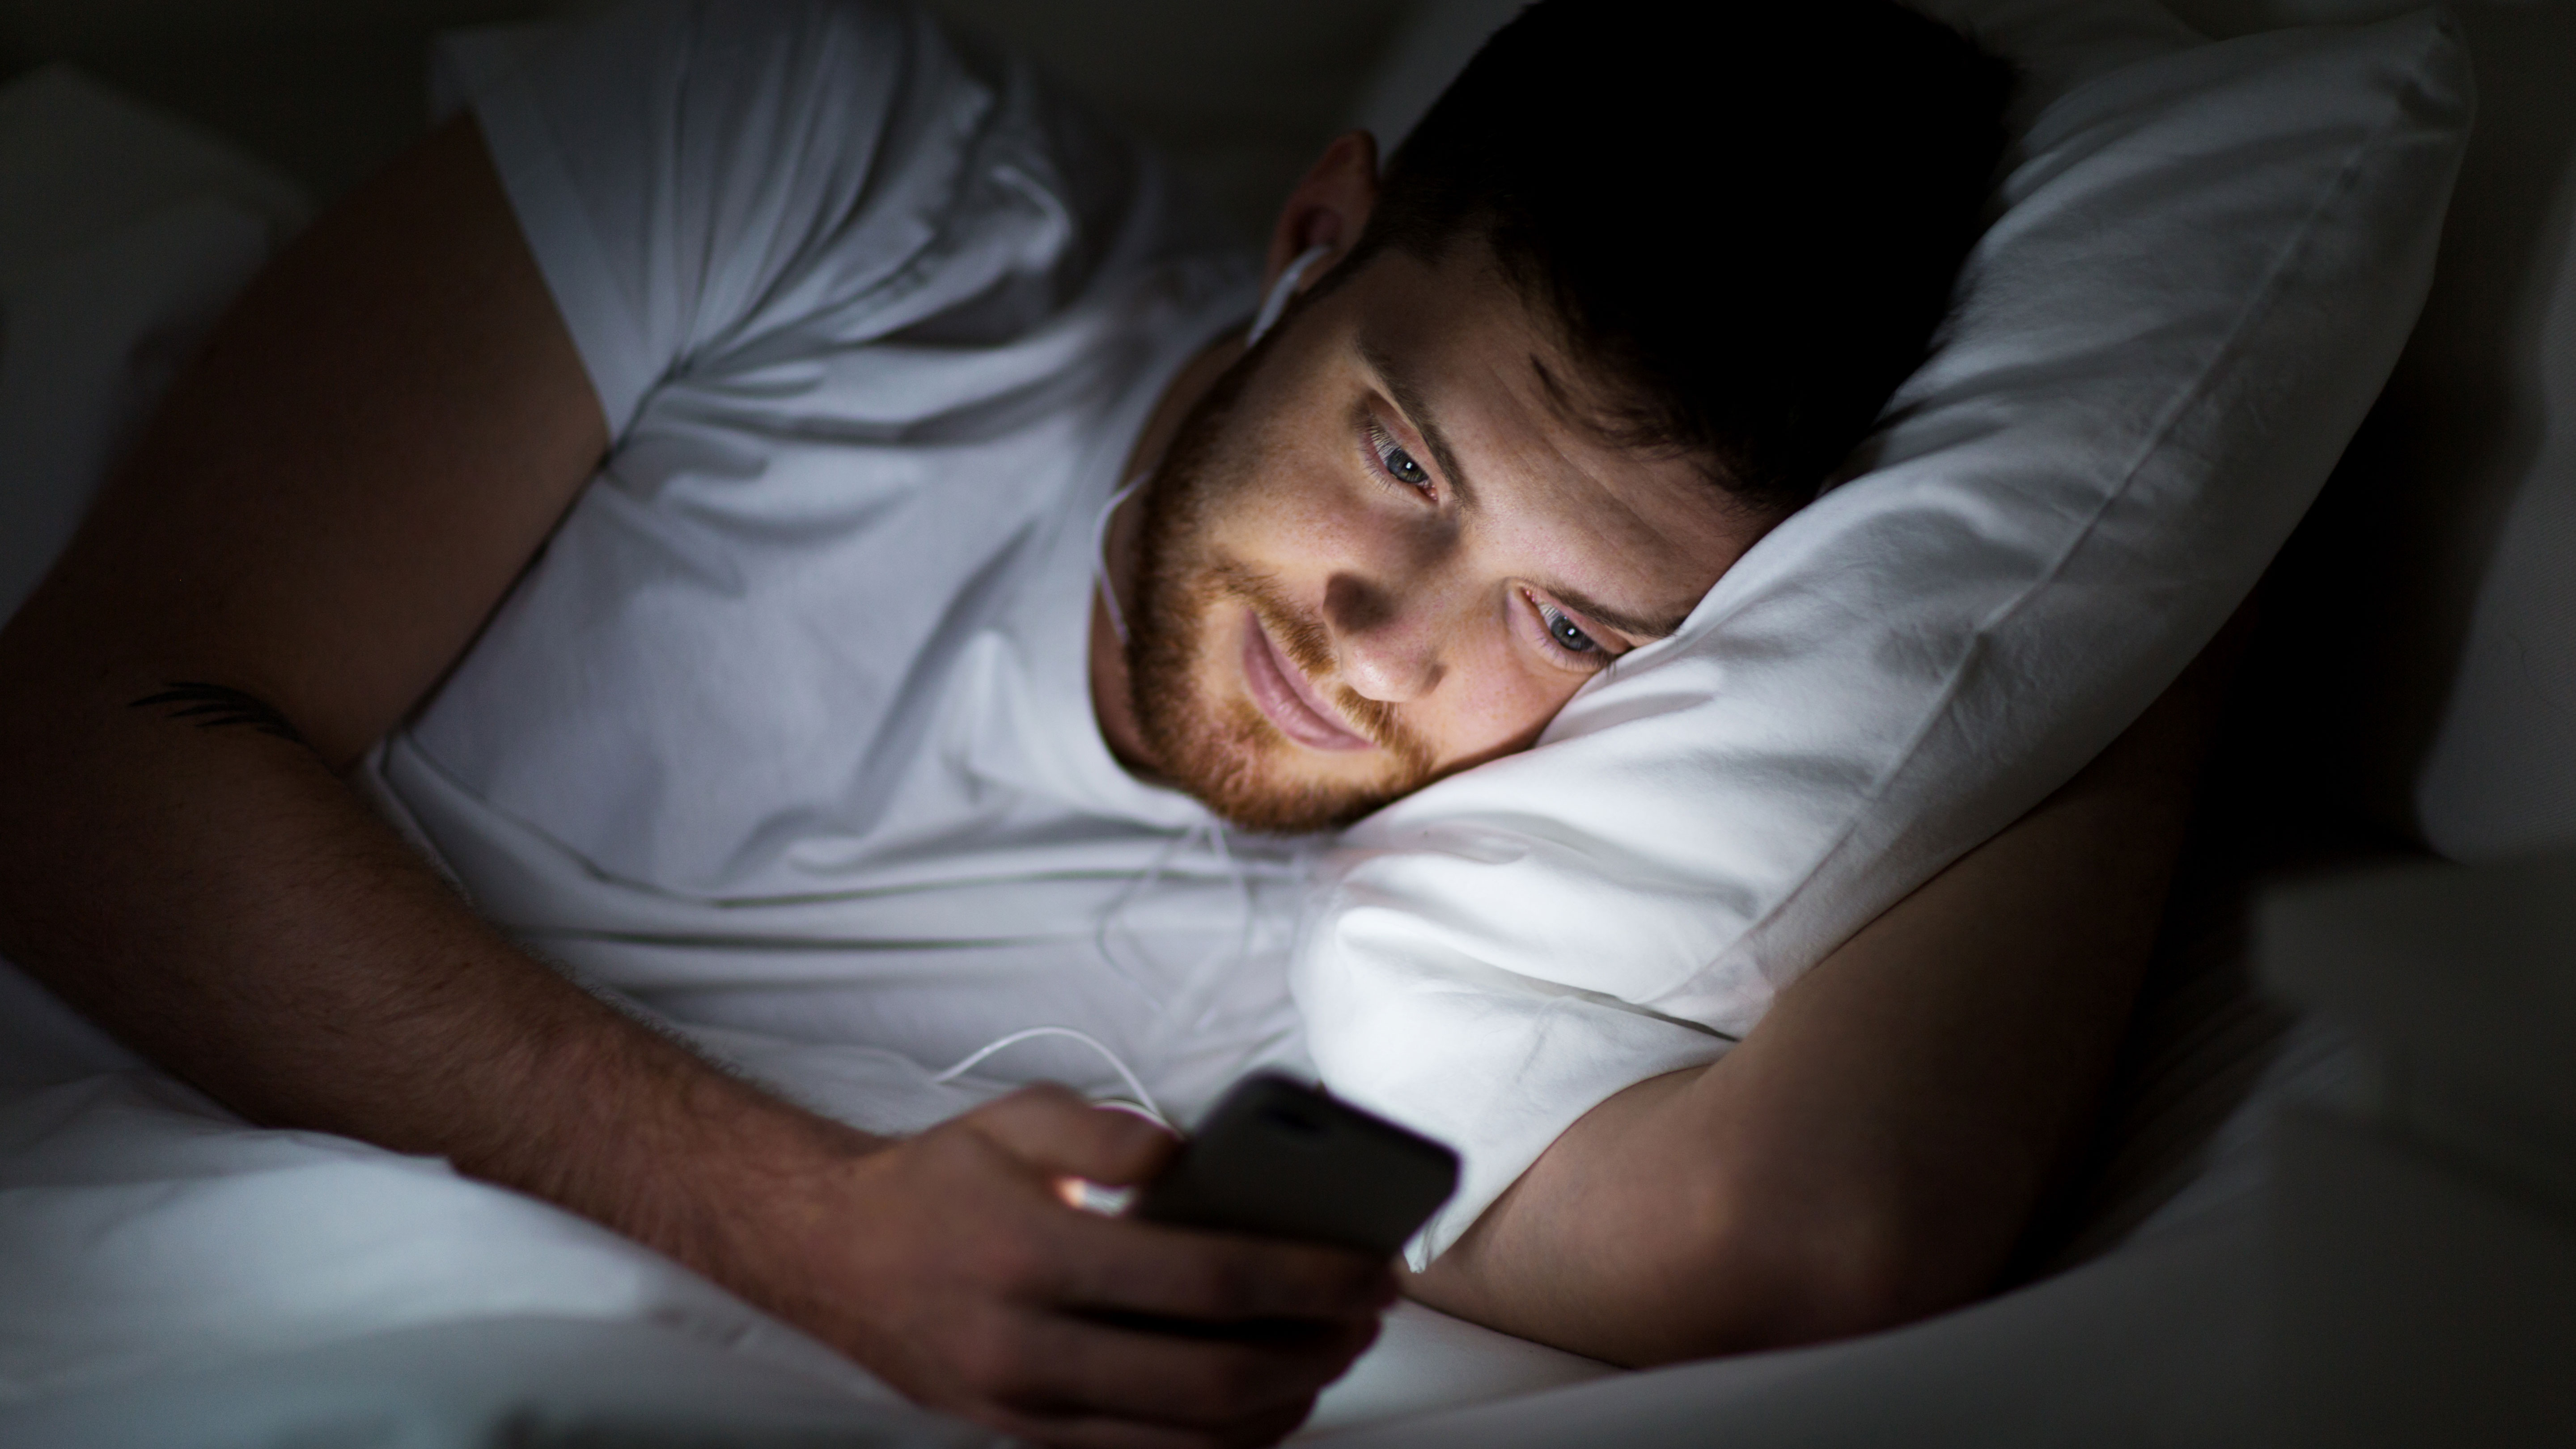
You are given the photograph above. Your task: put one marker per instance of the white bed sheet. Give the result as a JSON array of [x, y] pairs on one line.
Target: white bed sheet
[[174, 1278], [169, 1275]]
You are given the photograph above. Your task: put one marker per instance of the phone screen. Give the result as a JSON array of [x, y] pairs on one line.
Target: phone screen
[[1282, 1159]]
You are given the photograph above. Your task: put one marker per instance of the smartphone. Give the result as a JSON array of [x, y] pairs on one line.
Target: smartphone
[[1282, 1159]]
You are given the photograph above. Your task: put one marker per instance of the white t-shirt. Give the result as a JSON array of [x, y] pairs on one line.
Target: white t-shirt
[[788, 730]]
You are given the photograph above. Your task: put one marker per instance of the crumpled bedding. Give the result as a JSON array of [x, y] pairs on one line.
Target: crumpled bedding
[[171, 1275]]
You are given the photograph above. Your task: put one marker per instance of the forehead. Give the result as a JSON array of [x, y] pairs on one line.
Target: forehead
[[1462, 355]]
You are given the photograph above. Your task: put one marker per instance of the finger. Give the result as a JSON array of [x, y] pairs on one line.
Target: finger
[[1183, 1273], [1057, 1132]]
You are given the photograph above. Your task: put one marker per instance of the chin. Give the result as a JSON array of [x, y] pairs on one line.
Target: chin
[[1228, 757]]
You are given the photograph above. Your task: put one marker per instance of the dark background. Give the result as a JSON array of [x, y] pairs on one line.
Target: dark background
[[1240, 94]]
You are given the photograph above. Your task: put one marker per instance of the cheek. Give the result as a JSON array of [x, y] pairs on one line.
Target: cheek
[[1294, 502], [1497, 703], [1294, 520]]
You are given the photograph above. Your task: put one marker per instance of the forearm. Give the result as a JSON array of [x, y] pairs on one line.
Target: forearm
[[219, 900]]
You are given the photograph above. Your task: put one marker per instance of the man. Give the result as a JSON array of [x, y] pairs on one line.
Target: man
[[672, 492]]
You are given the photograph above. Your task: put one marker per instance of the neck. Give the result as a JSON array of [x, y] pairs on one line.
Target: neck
[[1111, 703]]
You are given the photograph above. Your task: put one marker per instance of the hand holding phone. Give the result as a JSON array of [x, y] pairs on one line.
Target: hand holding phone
[[1282, 1159]]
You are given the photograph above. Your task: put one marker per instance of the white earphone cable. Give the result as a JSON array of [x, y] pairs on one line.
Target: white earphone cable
[[1276, 302], [971, 1060]]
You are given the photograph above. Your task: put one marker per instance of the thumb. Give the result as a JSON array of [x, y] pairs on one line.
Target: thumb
[[1055, 1131]]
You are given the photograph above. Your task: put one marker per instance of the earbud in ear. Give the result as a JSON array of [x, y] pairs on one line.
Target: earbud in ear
[[1283, 289]]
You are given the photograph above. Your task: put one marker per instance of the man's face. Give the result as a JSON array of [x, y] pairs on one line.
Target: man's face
[[1384, 548]]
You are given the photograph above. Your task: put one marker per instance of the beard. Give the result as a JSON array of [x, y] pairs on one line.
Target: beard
[[1224, 751]]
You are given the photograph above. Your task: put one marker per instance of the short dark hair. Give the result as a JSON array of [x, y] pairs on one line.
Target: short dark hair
[[1745, 218]]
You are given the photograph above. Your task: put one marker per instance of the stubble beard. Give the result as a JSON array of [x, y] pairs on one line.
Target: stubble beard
[[1225, 752]]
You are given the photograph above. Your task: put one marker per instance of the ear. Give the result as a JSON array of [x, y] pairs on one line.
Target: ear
[[1328, 209]]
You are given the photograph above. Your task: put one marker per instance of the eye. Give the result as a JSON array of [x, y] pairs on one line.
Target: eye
[[1397, 463], [1566, 635]]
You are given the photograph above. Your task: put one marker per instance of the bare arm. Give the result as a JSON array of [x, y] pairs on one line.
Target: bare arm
[[309, 534], [330, 504], [1873, 1149]]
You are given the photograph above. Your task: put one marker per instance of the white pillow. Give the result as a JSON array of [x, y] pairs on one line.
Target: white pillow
[[2206, 259]]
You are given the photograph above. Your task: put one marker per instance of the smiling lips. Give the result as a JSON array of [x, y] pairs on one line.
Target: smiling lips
[[1287, 698]]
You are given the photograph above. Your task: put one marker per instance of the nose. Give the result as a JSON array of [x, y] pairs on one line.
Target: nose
[[1386, 635]]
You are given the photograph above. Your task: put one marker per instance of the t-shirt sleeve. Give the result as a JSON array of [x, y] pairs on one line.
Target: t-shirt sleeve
[[693, 176]]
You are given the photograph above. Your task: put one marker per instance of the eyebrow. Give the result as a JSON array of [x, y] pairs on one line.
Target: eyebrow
[[1416, 408]]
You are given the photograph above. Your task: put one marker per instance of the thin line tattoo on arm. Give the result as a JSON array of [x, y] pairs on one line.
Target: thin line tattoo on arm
[[214, 706]]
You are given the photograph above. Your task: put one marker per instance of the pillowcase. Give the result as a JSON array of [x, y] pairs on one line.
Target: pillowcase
[[2204, 261]]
